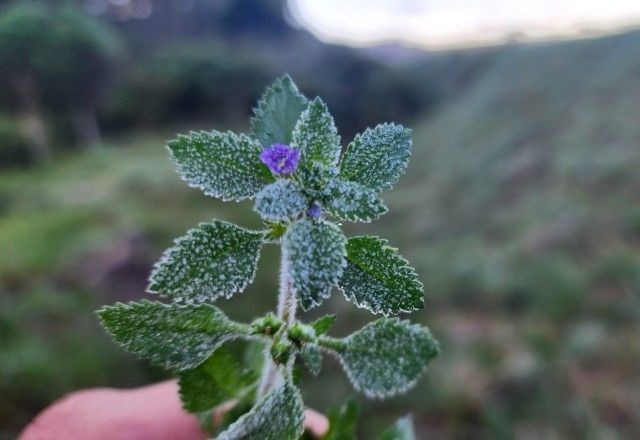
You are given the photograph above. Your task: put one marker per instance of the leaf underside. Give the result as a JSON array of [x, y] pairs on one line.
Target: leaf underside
[[387, 357], [222, 165], [378, 279], [217, 380], [314, 251], [277, 112], [278, 416], [177, 337], [216, 259], [377, 157]]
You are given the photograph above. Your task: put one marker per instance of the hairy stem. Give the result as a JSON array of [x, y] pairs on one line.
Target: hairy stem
[[287, 305]]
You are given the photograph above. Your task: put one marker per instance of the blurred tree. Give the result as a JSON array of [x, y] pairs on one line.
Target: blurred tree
[[55, 57]]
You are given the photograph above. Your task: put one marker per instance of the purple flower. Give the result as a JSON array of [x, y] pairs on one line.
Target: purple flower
[[315, 211], [281, 159]]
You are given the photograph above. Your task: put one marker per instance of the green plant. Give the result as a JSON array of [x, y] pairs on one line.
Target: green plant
[[292, 165]]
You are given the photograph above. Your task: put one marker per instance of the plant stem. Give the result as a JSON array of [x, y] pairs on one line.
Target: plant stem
[[287, 305]]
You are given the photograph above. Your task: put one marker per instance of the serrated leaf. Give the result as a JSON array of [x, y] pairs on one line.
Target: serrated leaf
[[323, 324], [377, 157], [277, 112], [343, 422], [216, 380], [311, 357], [223, 165], [216, 259], [280, 201], [278, 416], [402, 429], [314, 252], [354, 202], [316, 135], [174, 336], [378, 279], [387, 356]]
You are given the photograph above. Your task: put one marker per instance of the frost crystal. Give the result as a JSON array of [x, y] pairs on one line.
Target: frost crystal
[[377, 157], [354, 202], [281, 159], [224, 165], [316, 135], [312, 358], [173, 336], [379, 279], [315, 251], [280, 201], [216, 259], [387, 356]]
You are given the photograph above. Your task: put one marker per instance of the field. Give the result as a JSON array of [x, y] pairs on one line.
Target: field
[[520, 210]]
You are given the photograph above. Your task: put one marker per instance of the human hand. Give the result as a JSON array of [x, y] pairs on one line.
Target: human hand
[[150, 412]]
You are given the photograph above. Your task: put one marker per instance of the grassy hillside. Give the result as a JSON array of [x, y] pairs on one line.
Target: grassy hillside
[[520, 210]]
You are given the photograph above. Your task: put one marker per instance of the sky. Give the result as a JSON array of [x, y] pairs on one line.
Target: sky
[[459, 23]]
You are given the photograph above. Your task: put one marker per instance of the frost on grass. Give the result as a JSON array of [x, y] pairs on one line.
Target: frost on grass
[[378, 279], [278, 416], [311, 358], [219, 379], [217, 259], [316, 135], [315, 251], [174, 336], [277, 113], [377, 157], [353, 202], [387, 357], [223, 165], [280, 201], [402, 429]]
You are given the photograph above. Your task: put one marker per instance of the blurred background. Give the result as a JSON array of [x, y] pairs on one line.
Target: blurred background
[[520, 208]]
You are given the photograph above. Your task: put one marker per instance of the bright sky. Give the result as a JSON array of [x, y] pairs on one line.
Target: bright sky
[[446, 23]]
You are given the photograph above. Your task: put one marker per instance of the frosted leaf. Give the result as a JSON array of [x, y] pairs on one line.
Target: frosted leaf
[[216, 259], [377, 157], [174, 336], [354, 202], [316, 180], [216, 380], [277, 112], [387, 356], [315, 253], [280, 201], [402, 429], [323, 324], [278, 416], [223, 165], [316, 135], [378, 279], [311, 357]]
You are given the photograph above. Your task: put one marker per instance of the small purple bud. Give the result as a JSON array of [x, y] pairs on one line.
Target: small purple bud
[[280, 158], [315, 211]]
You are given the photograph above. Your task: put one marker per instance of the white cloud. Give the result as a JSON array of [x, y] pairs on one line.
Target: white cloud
[[458, 22]]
